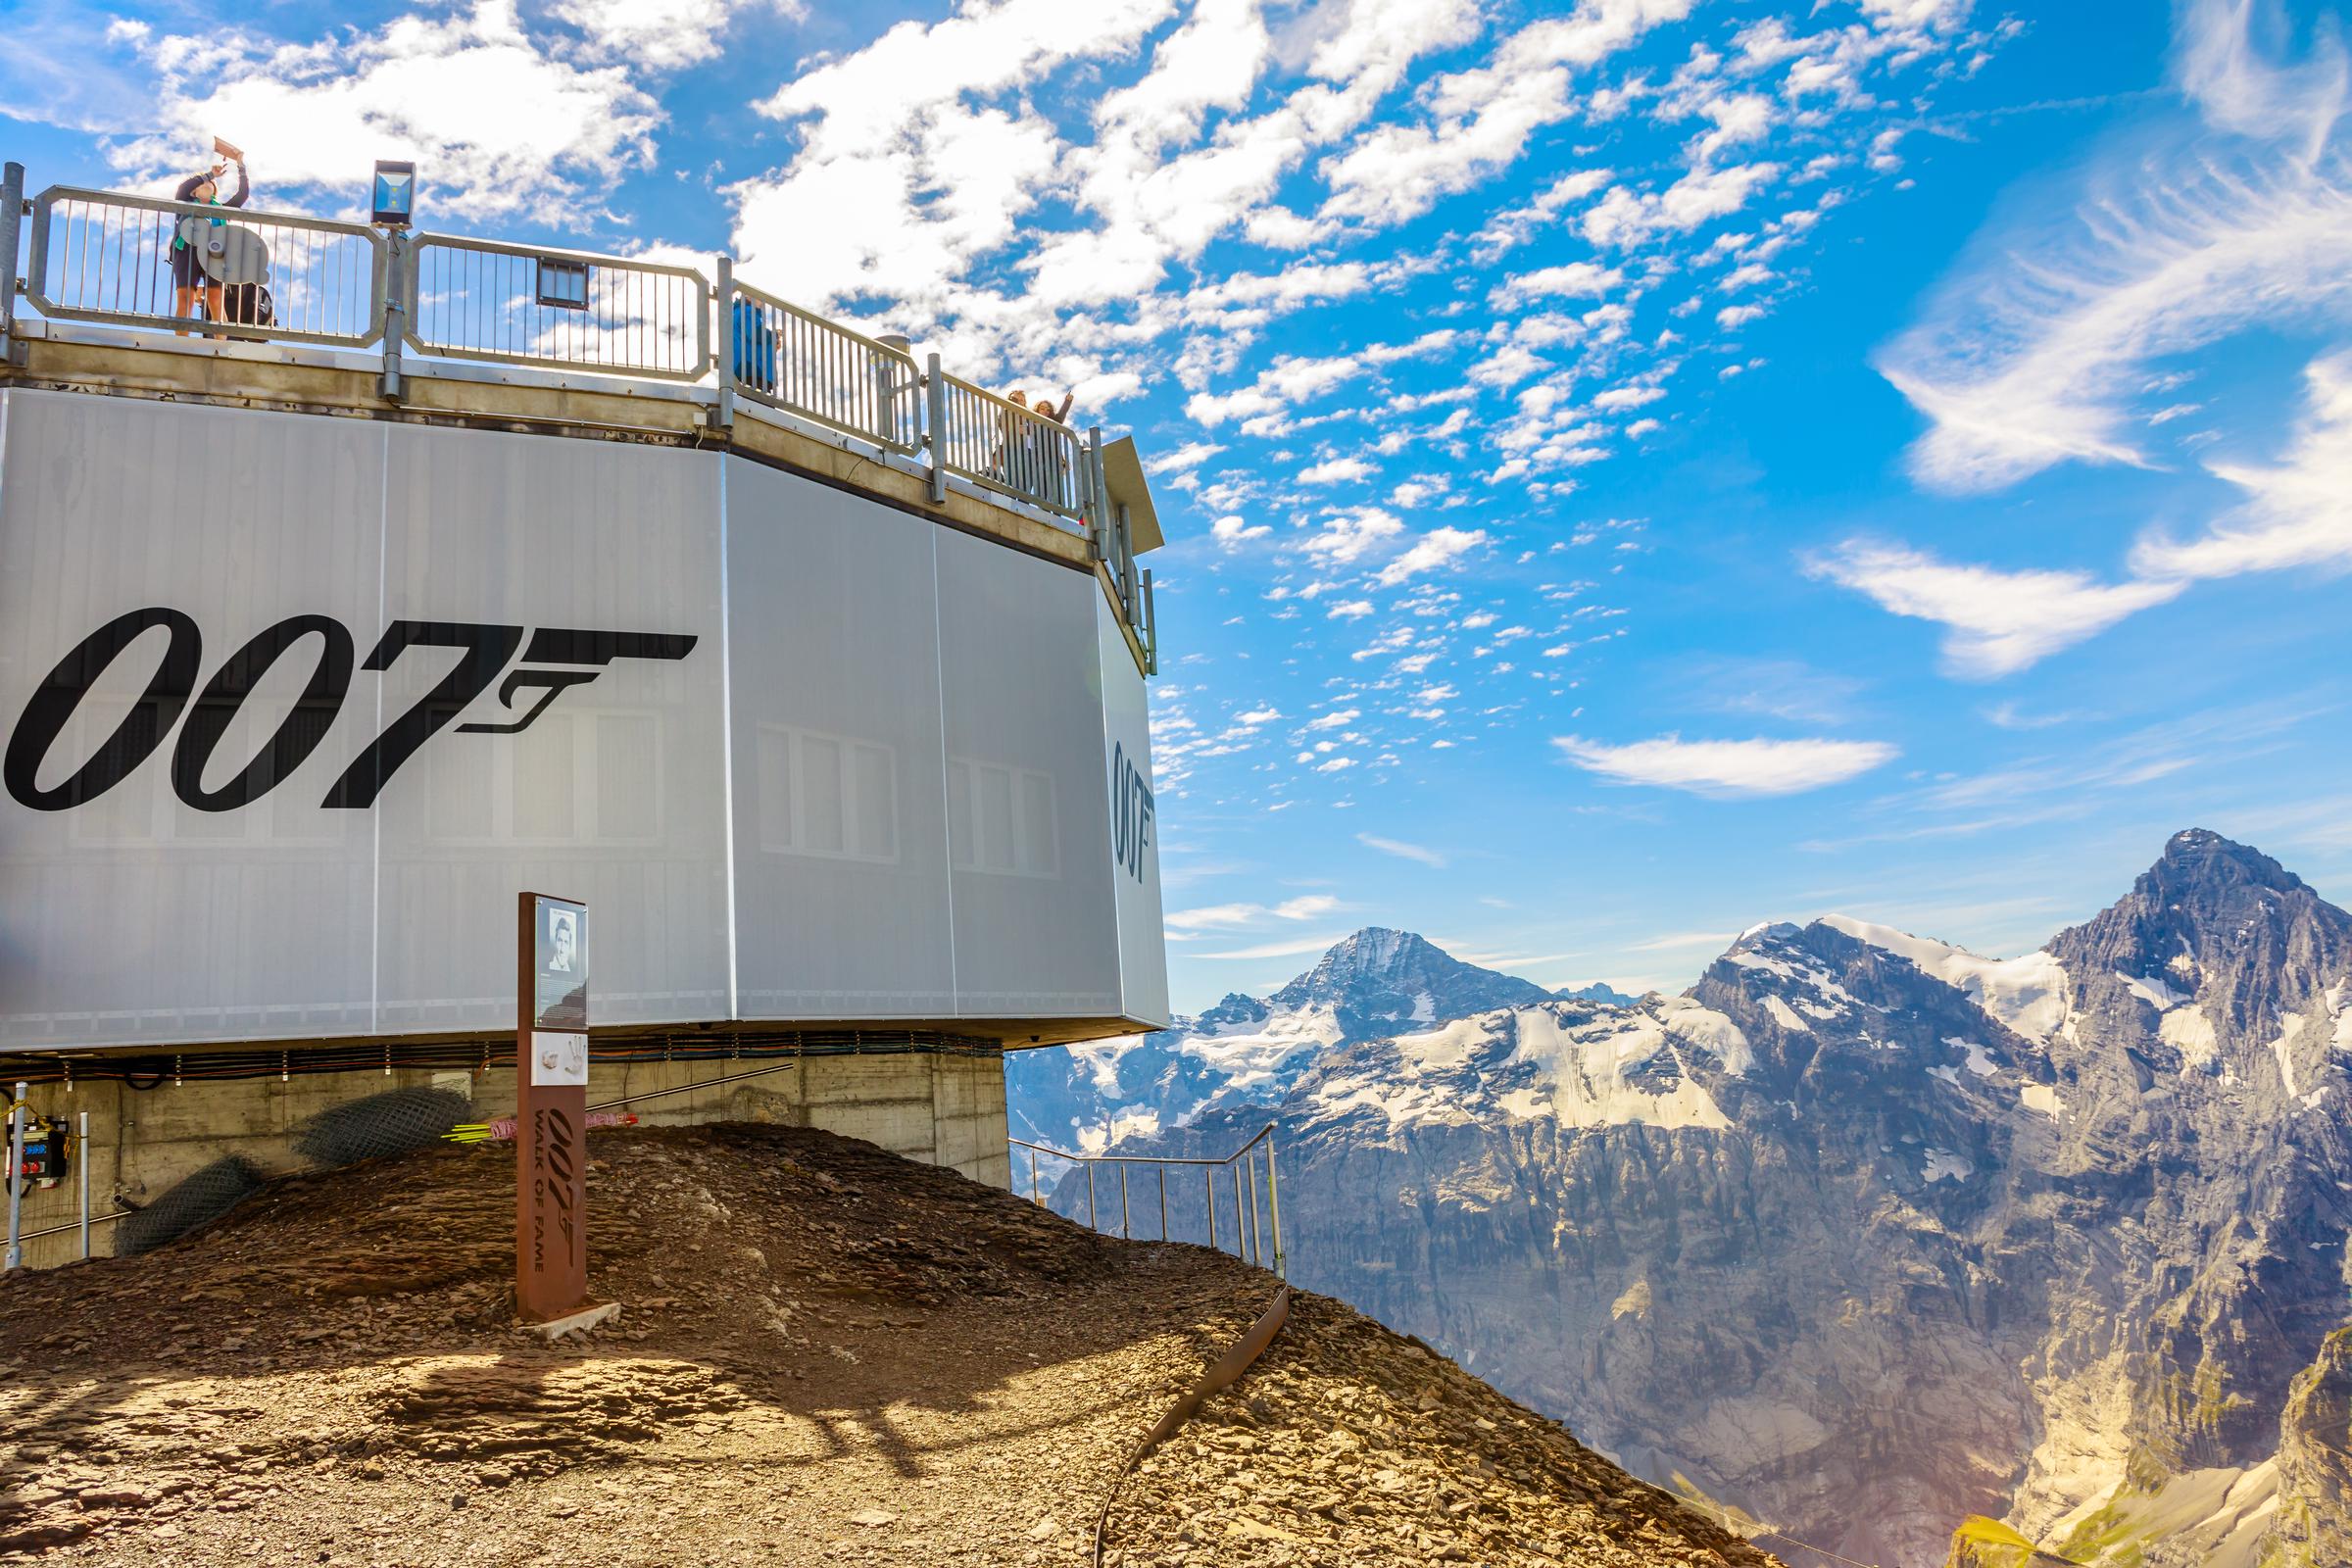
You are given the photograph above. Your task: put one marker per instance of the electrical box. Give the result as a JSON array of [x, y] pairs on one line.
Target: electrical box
[[48, 1153]]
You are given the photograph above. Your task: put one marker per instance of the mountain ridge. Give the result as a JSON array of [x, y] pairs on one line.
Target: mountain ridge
[[1866, 1234]]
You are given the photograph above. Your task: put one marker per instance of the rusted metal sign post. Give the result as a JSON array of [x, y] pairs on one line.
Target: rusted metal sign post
[[551, 1109]]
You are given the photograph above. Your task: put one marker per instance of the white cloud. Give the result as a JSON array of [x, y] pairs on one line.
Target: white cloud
[[2000, 621], [662, 34], [1569, 280], [1279, 949], [1306, 906], [502, 126], [1618, 399], [1480, 120], [1402, 850], [1335, 470], [1231, 532], [1728, 769], [2168, 249], [1348, 536], [1428, 552], [1190, 455], [1628, 219], [2296, 513]]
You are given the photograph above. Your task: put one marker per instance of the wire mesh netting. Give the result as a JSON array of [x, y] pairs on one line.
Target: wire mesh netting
[[393, 1123], [203, 1197]]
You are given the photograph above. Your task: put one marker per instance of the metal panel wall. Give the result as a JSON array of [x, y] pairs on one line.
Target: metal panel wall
[[840, 852], [1028, 826], [615, 794], [422, 667], [133, 916], [1134, 824]]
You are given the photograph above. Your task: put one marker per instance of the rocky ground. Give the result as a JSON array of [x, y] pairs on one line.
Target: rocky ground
[[825, 1355]]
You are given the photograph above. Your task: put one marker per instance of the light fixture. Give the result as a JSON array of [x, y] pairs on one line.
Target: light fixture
[[395, 192], [562, 283]]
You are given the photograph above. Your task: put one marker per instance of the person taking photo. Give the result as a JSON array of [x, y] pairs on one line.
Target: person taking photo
[[188, 276]]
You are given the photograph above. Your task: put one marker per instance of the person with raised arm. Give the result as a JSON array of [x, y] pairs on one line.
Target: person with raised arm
[[188, 276]]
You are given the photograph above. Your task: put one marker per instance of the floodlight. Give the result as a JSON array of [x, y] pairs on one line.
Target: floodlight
[[562, 283], [395, 192]]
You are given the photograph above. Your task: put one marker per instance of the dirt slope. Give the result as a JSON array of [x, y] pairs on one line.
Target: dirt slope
[[826, 1356]]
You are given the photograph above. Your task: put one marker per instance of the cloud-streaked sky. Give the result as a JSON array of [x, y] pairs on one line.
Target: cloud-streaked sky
[[1634, 467]]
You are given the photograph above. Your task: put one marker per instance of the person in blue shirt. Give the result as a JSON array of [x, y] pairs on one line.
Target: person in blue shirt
[[188, 276]]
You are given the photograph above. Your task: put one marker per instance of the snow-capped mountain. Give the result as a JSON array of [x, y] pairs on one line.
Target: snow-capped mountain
[[1597, 990], [1865, 1234], [1245, 1050]]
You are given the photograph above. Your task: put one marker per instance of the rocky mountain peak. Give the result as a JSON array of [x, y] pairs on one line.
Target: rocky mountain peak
[[1401, 975], [2198, 859], [2219, 922], [1371, 953]]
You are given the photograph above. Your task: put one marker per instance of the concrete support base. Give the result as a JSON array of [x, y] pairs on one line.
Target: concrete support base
[[938, 1108]]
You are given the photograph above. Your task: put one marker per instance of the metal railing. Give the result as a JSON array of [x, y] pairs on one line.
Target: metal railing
[[797, 361], [998, 443], [107, 257], [479, 299], [1250, 1235], [101, 256]]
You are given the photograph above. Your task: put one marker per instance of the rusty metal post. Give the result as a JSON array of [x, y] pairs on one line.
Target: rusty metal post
[[551, 1157]]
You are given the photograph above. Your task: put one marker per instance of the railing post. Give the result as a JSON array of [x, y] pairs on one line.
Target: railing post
[[1097, 489], [1091, 1223], [396, 274], [81, 1160], [1151, 627], [1125, 1234], [1241, 1232], [1282, 1268], [1257, 1236], [1162, 1168], [729, 343], [1033, 1197], [935, 415], [12, 210], [1208, 1188], [16, 1178]]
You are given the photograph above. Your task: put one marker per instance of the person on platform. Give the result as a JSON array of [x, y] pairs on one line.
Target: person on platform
[[188, 276]]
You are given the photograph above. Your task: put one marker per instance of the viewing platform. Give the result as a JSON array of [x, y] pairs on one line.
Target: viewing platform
[[446, 567]]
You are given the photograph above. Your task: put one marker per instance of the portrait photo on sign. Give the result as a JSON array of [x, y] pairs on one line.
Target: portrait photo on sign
[[560, 997]]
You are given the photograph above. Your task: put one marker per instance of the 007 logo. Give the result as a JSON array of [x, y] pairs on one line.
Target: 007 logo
[[556, 660]]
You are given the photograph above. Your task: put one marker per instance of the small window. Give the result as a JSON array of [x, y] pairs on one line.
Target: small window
[[564, 284]]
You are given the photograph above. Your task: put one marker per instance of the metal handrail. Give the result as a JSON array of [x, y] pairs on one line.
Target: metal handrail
[[799, 362], [1005, 447], [1249, 1238], [105, 255], [482, 299]]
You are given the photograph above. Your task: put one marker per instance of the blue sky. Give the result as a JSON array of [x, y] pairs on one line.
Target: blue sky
[[1634, 468]]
